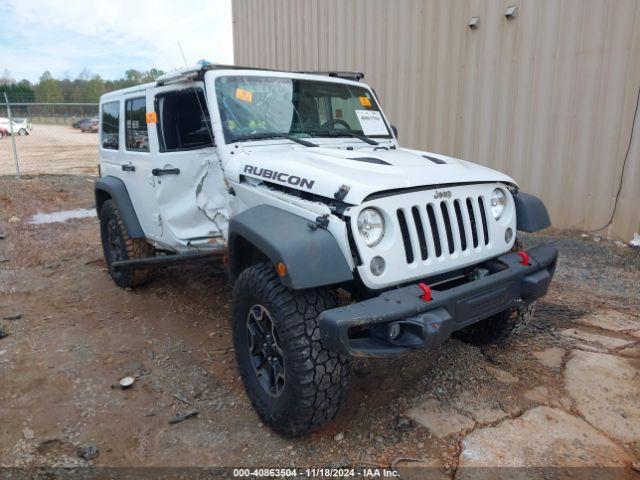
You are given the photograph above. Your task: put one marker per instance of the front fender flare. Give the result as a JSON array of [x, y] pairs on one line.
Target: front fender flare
[[114, 188], [312, 256], [531, 214]]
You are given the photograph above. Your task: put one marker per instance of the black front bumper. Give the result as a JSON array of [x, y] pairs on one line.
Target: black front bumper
[[362, 329]]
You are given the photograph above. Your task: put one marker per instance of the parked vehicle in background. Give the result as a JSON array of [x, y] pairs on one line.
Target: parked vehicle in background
[[20, 126], [339, 243], [80, 121], [85, 124], [91, 126]]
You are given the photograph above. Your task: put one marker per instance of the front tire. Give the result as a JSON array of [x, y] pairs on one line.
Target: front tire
[[117, 245], [293, 382]]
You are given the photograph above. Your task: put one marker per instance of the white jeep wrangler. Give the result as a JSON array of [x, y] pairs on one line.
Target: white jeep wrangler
[[297, 181]]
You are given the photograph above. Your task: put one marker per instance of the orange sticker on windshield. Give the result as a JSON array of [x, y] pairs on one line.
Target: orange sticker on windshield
[[152, 117], [365, 102], [244, 95]]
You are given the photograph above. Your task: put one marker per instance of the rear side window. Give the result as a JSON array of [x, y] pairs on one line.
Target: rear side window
[[137, 136], [183, 122], [110, 125]]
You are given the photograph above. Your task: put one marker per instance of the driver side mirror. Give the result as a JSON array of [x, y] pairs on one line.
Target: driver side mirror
[[395, 131]]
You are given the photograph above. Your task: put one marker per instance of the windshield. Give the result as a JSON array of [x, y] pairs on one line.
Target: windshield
[[254, 107]]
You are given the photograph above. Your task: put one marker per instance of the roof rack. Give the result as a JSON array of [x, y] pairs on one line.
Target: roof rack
[[197, 71], [355, 76]]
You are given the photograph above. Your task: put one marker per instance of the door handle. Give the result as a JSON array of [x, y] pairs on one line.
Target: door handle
[[165, 171], [129, 168]]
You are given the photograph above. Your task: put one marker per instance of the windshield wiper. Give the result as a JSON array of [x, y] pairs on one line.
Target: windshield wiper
[[347, 133], [267, 136]]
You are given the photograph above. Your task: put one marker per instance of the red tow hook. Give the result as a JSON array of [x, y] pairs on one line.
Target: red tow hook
[[525, 259], [426, 292]]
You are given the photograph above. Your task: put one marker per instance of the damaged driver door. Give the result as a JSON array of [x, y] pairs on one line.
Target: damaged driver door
[[189, 185]]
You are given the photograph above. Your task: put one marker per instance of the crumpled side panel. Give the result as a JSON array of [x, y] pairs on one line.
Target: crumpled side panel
[[212, 199]]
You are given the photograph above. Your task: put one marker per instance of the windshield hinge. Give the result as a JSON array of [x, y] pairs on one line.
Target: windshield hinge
[[342, 192], [321, 222]]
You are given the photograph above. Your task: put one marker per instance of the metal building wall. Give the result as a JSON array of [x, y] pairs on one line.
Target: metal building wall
[[548, 97]]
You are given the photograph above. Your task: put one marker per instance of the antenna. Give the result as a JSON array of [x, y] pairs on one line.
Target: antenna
[[183, 57]]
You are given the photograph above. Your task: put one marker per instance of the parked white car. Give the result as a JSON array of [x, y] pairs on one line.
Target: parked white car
[[298, 181], [20, 126]]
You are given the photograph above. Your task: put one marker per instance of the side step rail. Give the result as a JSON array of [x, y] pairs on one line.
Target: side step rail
[[167, 260]]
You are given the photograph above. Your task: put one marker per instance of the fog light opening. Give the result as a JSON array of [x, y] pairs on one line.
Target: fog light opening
[[377, 266], [394, 331], [508, 235]]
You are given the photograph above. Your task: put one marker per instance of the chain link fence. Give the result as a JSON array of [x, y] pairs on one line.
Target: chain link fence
[[48, 138]]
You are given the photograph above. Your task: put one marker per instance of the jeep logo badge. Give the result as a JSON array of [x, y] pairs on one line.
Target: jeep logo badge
[[443, 194]]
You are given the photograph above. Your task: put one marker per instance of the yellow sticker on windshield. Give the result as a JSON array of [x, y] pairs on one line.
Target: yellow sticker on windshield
[[365, 102], [244, 95]]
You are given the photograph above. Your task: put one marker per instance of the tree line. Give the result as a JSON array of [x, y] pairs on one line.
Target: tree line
[[86, 88]]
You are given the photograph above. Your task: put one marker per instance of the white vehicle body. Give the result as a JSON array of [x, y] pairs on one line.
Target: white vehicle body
[[19, 126], [191, 211], [299, 182]]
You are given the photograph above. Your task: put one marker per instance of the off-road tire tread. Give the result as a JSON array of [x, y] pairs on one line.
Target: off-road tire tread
[[134, 248], [316, 378]]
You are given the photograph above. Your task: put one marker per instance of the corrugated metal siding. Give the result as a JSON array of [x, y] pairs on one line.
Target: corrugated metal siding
[[548, 97]]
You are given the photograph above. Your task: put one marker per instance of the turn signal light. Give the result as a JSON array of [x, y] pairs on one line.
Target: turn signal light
[[281, 269]]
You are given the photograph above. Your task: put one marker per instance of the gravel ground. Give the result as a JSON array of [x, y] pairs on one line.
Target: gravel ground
[[77, 334], [51, 149]]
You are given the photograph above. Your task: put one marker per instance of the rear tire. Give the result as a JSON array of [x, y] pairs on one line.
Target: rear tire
[[293, 382], [117, 245]]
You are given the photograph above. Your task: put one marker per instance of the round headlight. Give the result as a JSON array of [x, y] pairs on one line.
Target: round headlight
[[498, 203], [371, 226]]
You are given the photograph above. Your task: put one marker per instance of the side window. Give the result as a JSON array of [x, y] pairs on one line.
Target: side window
[[137, 136], [110, 125], [183, 121]]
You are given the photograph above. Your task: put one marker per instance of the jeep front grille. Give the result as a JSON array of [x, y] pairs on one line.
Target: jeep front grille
[[429, 233], [443, 227]]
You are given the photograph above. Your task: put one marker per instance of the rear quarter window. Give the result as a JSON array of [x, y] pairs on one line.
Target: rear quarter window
[[110, 120], [137, 136]]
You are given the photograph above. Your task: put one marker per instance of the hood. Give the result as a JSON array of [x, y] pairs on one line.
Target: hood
[[365, 171]]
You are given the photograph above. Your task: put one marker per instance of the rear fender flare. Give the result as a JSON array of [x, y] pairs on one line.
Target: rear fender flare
[[113, 188]]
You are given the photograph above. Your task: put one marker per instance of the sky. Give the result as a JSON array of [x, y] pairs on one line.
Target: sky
[[108, 37]]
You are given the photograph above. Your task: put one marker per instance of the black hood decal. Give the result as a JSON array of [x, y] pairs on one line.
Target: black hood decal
[[370, 160], [282, 177]]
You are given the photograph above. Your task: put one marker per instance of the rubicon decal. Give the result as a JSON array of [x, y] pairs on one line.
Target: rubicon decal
[[279, 176]]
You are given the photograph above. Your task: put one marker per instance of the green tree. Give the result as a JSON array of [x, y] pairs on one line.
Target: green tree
[[18, 92], [87, 90], [134, 76], [152, 75], [48, 89], [87, 87]]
